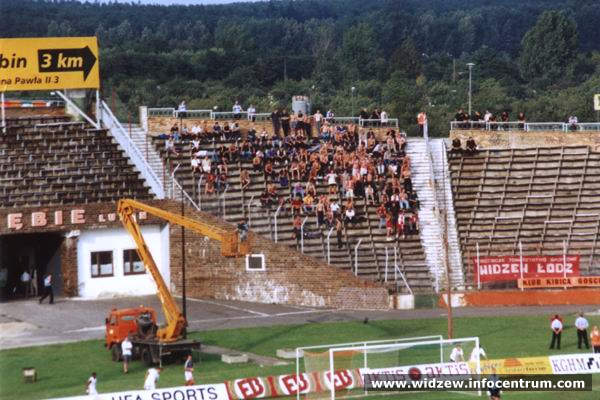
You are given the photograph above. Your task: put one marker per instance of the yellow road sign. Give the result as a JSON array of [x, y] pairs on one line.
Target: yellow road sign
[[49, 63]]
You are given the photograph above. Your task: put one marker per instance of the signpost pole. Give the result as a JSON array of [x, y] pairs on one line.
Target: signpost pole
[[98, 107], [3, 113], [521, 262]]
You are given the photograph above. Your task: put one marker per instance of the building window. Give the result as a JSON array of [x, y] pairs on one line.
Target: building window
[[102, 264], [131, 263], [255, 262]]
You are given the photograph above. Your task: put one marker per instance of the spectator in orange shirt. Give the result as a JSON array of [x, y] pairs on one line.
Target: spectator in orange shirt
[[595, 336]]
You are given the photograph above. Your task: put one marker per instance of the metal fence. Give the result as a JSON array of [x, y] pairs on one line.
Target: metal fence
[[525, 126]]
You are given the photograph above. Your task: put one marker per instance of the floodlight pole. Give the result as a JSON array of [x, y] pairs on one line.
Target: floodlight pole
[[470, 65]]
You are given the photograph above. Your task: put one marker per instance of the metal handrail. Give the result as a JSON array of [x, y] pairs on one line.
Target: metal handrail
[[397, 271], [192, 113], [186, 195], [356, 257], [525, 126], [135, 154], [249, 213], [160, 111], [329, 246], [223, 199], [275, 218], [79, 111], [389, 122], [302, 234], [172, 196]]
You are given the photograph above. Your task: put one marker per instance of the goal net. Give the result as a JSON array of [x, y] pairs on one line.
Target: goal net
[[343, 365]]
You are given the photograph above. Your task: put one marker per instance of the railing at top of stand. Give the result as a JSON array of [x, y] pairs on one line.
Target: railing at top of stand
[[192, 114], [525, 126], [389, 122], [161, 112], [136, 156], [229, 114]]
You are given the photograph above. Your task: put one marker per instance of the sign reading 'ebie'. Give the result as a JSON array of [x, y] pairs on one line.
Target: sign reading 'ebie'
[[508, 268], [49, 63], [59, 218]]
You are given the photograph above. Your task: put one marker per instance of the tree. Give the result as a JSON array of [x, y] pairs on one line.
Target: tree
[[548, 48], [407, 60]]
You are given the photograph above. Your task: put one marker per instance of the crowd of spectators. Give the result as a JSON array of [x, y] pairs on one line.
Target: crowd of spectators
[[479, 121], [302, 154]]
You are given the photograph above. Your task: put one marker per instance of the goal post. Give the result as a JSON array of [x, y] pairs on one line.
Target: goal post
[[432, 358], [317, 358]]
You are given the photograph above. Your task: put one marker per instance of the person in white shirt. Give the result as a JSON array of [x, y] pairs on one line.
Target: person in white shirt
[[457, 354], [90, 386], [476, 353], [151, 378], [487, 116], [582, 325], [237, 110], [48, 289], [26, 283], [384, 117], [557, 327], [334, 207], [126, 347], [318, 117], [251, 113], [188, 371], [181, 110]]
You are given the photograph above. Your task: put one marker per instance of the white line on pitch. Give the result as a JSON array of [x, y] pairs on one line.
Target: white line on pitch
[[228, 306], [260, 316]]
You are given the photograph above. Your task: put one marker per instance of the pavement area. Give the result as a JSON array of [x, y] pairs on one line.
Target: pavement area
[[26, 323]]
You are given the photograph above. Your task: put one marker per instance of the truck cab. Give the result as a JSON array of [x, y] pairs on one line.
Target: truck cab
[[124, 322]]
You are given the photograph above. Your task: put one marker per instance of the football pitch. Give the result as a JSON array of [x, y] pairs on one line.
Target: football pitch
[[63, 369]]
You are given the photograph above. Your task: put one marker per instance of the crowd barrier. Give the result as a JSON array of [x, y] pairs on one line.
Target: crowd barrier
[[348, 379]]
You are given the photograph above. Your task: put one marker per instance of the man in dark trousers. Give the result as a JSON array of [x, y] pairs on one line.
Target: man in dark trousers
[[557, 327], [275, 116], [582, 325], [48, 289]]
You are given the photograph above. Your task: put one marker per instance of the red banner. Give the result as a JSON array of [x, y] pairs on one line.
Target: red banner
[[507, 268]]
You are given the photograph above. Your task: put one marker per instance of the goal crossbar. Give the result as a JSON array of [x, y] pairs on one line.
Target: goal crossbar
[[364, 347]]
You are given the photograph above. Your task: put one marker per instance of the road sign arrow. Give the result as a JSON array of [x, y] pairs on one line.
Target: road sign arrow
[[66, 60]]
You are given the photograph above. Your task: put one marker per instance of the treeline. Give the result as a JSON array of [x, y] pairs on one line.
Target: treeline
[[540, 57]]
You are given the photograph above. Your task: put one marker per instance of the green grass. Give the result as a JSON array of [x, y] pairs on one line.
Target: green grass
[[64, 369]]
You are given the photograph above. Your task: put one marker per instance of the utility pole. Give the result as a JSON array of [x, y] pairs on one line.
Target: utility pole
[[453, 70]]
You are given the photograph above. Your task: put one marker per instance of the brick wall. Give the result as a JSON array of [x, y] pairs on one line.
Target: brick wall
[[157, 125], [290, 277], [519, 139], [34, 112]]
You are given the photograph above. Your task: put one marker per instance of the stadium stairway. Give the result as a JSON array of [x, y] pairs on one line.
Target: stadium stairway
[[143, 142], [370, 256], [432, 186], [542, 197]]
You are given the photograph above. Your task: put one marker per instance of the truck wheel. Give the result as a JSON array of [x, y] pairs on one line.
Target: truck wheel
[[116, 353], [147, 357]]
